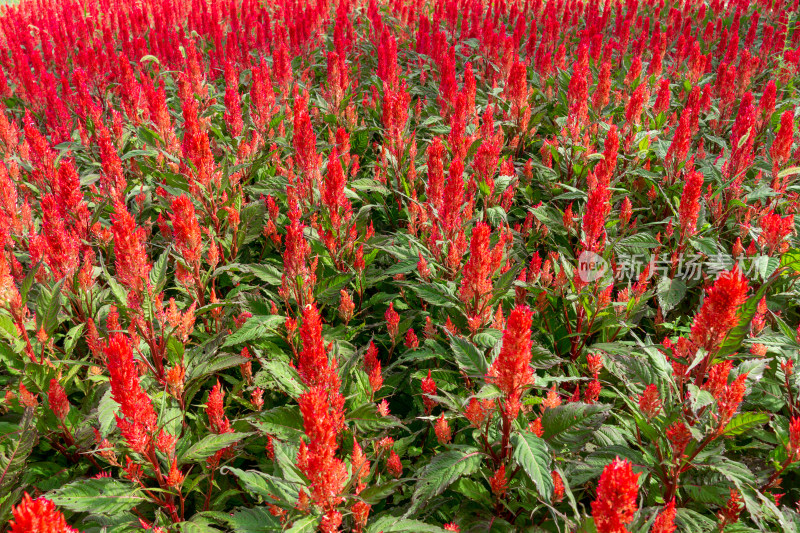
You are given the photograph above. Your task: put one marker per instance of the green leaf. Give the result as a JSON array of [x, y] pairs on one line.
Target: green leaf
[[469, 358], [531, 453], [392, 524], [209, 445], [255, 328], [106, 410], [255, 520], [443, 470], [270, 488], [670, 293], [744, 422], [284, 422], [158, 274], [13, 460], [639, 241], [433, 294], [307, 524], [100, 496], [571, 425], [791, 171]]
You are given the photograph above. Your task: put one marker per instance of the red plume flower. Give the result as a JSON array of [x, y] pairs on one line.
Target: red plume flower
[[690, 206], [428, 388], [498, 482], [615, 504], [512, 371], [392, 322], [138, 418], [186, 229], [720, 310], [650, 402], [442, 429], [58, 400], [39, 515], [665, 521], [131, 262], [215, 409]]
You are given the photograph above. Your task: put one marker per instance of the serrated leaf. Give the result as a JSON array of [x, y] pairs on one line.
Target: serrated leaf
[[255, 520], [469, 358], [396, 524], [100, 496], [13, 461], [307, 524], [443, 470], [211, 444], [284, 422], [270, 488], [670, 293], [744, 422], [106, 410], [572, 424], [254, 328], [531, 453]]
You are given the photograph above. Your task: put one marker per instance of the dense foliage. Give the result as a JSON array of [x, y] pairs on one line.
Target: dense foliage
[[399, 265]]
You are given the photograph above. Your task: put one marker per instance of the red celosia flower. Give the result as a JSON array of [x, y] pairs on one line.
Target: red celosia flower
[[665, 521], [423, 269], [312, 361], [793, 446], [392, 322], [690, 207], [451, 526], [37, 516], [371, 357], [578, 92], [730, 513], [346, 306], [132, 264], [186, 229], [782, 145], [233, 109], [411, 340], [650, 402], [305, 146], [393, 465], [375, 377], [720, 310], [592, 392], [476, 285], [512, 371], [327, 474], [428, 389], [615, 504], [595, 363], [442, 429], [58, 400], [498, 482], [536, 428], [138, 418], [718, 378], [558, 487], [553, 399], [729, 400], [215, 409], [594, 216], [175, 477], [774, 231], [679, 436]]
